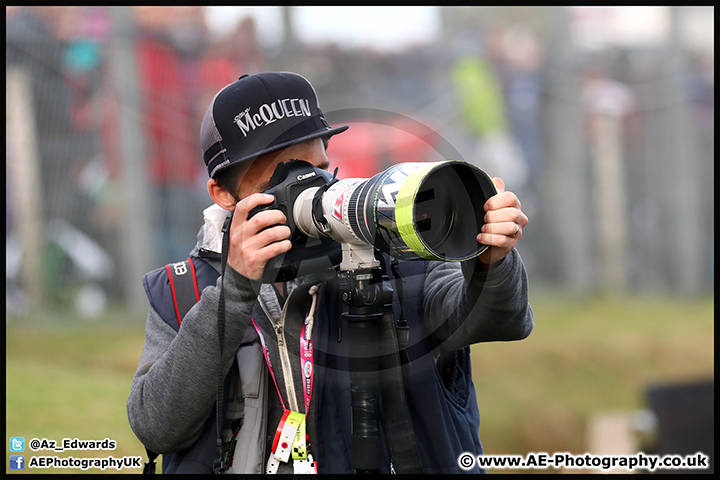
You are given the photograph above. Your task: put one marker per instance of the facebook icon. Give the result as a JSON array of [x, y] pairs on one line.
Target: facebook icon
[[17, 462]]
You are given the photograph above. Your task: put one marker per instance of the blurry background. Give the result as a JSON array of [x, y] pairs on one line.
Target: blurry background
[[599, 118]]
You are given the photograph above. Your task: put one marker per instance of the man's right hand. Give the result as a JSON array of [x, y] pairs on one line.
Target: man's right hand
[[255, 241]]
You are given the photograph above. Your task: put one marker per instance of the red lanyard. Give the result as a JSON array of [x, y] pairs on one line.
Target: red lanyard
[[267, 360], [293, 424], [306, 361]]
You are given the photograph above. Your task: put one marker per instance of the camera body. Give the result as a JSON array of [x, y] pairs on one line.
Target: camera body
[[308, 254]]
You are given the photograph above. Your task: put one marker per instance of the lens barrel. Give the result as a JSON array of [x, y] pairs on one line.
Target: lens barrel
[[431, 210]]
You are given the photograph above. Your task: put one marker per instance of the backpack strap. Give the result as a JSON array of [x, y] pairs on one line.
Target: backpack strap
[[183, 285], [173, 289]]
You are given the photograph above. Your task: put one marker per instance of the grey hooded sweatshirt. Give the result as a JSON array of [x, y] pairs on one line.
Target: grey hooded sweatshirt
[[174, 390]]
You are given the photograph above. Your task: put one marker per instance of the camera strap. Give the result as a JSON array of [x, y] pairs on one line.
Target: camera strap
[[149, 468], [403, 450], [222, 454], [403, 331]]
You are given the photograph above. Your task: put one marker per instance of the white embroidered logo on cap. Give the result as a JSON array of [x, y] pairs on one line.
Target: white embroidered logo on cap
[[270, 113]]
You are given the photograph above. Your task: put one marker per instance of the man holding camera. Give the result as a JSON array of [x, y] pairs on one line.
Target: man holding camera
[[272, 355]]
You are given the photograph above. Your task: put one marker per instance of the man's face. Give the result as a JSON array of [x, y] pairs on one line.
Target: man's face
[[256, 178]]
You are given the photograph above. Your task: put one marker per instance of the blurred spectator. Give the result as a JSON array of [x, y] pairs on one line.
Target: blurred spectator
[[180, 70], [517, 61], [483, 106], [369, 147], [169, 44], [239, 50], [357, 155], [61, 59], [226, 59], [84, 30], [33, 44]]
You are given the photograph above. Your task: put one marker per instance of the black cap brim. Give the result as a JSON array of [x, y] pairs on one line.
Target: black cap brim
[[280, 146]]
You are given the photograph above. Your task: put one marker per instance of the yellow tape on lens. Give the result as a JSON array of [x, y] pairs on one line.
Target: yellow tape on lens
[[405, 211], [405, 204]]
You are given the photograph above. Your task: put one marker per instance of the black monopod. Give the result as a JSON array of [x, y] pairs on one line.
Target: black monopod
[[362, 291]]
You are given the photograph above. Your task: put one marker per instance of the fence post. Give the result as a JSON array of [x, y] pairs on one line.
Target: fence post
[[567, 220], [24, 183], [137, 247]]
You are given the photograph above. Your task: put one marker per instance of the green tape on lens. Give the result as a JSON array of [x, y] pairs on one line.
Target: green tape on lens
[[405, 211]]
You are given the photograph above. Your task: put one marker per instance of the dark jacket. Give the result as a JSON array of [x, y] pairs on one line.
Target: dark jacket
[[447, 306]]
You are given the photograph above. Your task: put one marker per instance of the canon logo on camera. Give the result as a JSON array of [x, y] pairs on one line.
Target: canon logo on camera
[[305, 175]]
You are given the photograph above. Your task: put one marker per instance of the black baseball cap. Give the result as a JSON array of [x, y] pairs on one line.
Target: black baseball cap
[[260, 114]]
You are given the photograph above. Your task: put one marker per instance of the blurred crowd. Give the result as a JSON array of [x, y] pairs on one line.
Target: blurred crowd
[[479, 96], [65, 55]]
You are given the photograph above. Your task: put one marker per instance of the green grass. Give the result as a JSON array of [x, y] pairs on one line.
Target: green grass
[[67, 378], [70, 379], [586, 357]]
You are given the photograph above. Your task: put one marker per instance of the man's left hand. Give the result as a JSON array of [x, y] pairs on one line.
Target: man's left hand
[[504, 223]]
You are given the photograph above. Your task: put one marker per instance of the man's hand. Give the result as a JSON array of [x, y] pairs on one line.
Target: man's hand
[[504, 223], [251, 248]]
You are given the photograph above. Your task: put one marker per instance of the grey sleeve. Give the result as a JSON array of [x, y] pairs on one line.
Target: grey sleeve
[[174, 388], [465, 306]]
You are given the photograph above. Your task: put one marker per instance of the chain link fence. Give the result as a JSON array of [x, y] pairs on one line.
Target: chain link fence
[[611, 151]]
